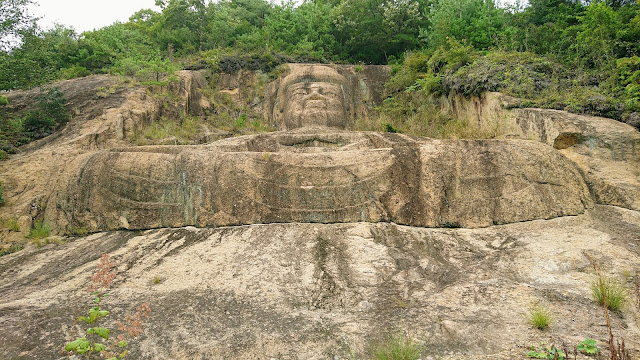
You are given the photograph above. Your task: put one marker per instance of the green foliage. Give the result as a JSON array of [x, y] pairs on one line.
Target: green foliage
[[39, 230], [75, 71], [539, 317], [11, 224], [80, 346], [614, 292], [3, 101], [241, 121], [626, 82], [84, 345], [2, 201], [597, 35], [389, 128], [177, 132], [50, 114], [543, 351], [14, 247], [101, 281], [473, 21], [397, 347], [14, 17], [516, 73], [38, 59], [588, 346], [148, 70]]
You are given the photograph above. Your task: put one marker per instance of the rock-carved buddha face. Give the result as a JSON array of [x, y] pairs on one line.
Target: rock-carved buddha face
[[312, 96]]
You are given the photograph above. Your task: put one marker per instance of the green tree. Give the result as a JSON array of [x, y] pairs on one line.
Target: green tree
[[374, 30], [545, 27], [14, 18], [475, 21], [597, 37], [38, 59], [100, 49]]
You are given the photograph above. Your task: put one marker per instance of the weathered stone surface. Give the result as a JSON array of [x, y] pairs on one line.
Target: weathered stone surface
[[325, 176], [607, 151], [316, 291], [301, 288]]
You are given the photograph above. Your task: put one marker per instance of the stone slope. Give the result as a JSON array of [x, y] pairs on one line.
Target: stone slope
[[319, 291]]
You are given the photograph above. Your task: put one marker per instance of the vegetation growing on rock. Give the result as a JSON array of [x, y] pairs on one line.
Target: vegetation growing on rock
[[581, 56]]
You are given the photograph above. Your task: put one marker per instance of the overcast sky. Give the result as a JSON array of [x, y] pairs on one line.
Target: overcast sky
[[84, 15]]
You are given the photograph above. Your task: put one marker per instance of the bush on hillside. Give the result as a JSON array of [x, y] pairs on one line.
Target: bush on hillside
[[50, 114]]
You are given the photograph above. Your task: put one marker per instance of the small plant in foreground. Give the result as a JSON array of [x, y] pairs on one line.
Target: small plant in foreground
[[617, 350], [40, 230], [97, 341], [546, 352], [397, 347], [615, 293], [588, 346], [539, 317]]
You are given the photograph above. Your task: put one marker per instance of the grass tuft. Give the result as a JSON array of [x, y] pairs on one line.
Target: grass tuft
[[12, 224], [397, 347], [39, 231], [15, 247], [540, 317], [614, 292]]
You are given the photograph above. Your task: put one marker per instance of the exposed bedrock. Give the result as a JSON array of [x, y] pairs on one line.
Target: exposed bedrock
[[607, 151], [323, 291], [325, 176]]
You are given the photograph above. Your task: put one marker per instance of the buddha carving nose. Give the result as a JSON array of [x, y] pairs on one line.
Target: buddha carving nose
[[315, 93]]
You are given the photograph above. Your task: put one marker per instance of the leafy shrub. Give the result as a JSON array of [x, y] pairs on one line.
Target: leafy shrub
[[588, 346], [241, 121], [539, 317], [73, 72], [518, 74], [96, 341], [152, 70], [265, 62], [50, 114], [3, 101], [397, 347], [614, 292], [546, 352]]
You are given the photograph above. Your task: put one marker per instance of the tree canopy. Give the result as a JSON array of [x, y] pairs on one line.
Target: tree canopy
[[592, 35]]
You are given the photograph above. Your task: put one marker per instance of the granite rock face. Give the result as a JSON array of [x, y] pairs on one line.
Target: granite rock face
[[606, 151], [327, 291], [323, 176], [316, 242]]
